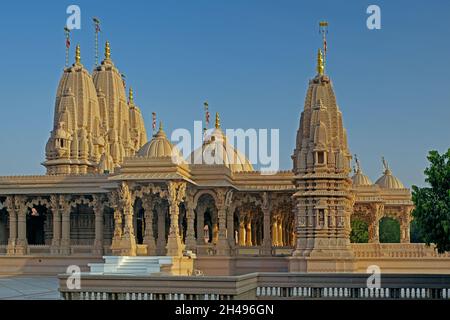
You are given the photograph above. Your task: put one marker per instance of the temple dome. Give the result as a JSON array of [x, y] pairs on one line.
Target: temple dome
[[360, 179], [217, 147], [160, 147], [388, 180]]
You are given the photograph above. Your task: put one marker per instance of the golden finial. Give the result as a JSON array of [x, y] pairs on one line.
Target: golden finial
[[320, 66], [77, 54], [160, 126], [107, 51], [217, 121], [130, 96]]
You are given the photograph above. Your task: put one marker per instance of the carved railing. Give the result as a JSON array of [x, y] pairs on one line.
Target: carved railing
[[257, 286], [395, 250]]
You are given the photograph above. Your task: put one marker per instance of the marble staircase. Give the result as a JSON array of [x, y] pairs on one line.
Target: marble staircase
[[130, 265]]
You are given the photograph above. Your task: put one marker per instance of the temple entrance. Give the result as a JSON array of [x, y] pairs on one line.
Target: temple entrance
[[36, 217]]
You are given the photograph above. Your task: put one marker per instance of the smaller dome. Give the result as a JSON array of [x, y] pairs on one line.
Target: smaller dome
[[389, 181], [160, 147], [360, 179]]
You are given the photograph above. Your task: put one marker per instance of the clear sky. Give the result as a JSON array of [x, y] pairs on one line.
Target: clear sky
[[251, 59]]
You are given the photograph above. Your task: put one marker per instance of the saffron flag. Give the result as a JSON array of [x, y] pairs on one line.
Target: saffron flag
[[67, 42]]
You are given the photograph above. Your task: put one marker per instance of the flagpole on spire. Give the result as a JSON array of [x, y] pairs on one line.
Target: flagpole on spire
[[154, 122], [323, 30], [67, 33], [97, 30], [206, 107]]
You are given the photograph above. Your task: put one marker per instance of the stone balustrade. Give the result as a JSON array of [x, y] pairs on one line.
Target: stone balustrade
[[262, 286], [395, 250]]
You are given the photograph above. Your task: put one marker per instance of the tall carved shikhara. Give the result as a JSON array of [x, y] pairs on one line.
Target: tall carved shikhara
[[95, 127], [321, 165]]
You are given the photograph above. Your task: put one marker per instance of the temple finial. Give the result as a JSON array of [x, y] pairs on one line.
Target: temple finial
[[358, 166], [160, 126], [77, 54], [130, 96], [320, 66], [217, 121], [107, 51], [385, 165]]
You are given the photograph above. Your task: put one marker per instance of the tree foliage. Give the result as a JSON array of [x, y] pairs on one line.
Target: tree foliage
[[432, 211], [359, 232], [389, 230]]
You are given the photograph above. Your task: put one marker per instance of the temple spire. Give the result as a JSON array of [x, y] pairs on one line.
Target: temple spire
[[320, 65], [107, 51], [77, 54], [217, 121]]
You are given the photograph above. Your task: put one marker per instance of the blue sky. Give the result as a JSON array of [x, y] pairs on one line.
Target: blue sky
[[251, 59]]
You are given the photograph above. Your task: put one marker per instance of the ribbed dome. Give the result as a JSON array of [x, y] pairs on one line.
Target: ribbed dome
[[360, 179], [220, 151], [160, 147], [388, 181]]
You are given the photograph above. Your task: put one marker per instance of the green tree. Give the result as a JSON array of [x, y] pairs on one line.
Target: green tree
[[359, 232], [389, 230], [432, 211]]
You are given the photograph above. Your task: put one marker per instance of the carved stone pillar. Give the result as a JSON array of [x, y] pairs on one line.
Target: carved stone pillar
[[12, 225], [176, 193], [65, 228], [230, 225], [241, 229], [275, 231], [376, 213], [190, 231], [117, 215], [280, 231], [21, 244], [405, 222], [223, 246], [149, 238], [56, 211], [267, 243], [128, 241], [248, 231], [98, 211], [161, 241]]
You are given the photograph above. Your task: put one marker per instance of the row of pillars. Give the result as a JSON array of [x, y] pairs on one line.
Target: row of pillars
[[61, 244]]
